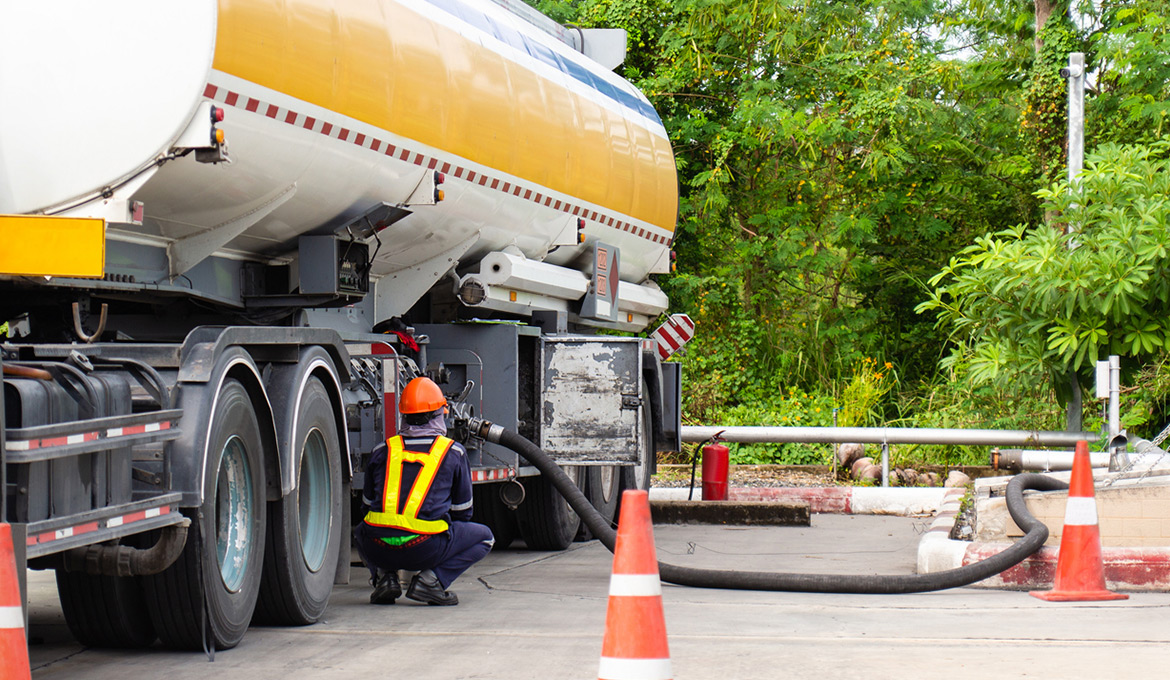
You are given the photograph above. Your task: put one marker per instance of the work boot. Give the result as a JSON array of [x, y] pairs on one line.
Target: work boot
[[387, 589], [425, 587]]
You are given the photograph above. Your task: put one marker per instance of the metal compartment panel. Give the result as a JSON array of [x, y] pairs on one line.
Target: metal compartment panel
[[591, 404]]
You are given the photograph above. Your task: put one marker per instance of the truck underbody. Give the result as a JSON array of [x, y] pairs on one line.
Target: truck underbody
[[216, 472]]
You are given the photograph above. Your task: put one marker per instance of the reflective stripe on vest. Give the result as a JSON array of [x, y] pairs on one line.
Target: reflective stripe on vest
[[408, 519]]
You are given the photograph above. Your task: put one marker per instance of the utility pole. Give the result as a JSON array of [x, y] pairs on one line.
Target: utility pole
[[1075, 74]]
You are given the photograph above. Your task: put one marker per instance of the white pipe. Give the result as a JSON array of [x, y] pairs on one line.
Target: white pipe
[[509, 282], [1114, 396], [1018, 459]]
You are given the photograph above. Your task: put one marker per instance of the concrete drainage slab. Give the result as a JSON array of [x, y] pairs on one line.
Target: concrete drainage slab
[[1127, 567], [1134, 518]]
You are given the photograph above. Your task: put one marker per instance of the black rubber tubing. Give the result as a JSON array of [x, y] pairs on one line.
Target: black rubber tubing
[[1035, 535]]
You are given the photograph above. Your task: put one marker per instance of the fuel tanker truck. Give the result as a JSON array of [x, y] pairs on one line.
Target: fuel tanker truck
[[230, 234]]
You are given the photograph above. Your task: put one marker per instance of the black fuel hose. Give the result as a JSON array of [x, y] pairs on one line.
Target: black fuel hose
[[1035, 535]]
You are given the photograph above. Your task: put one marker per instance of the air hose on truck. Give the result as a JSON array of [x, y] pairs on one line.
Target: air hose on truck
[[1035, 535]]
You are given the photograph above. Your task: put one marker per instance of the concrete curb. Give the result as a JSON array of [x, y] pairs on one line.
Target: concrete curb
[[1131, 569], [847, 500]]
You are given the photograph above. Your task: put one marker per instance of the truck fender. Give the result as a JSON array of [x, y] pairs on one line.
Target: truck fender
[[189, 453], [285, 384], [652, 375]]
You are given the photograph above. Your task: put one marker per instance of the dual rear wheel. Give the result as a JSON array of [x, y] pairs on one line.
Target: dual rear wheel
[[304, 528], [244, 555], [207, 596]]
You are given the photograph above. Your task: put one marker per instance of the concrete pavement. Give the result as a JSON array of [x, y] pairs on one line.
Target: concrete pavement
[[541, 615]]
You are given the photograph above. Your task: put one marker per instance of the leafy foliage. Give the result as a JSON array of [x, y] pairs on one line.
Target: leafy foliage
[[834, 157], [1132, 58], [1032, 305], [1044, 119]]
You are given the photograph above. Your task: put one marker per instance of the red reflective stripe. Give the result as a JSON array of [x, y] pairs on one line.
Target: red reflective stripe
[[89, 527], [59, 534], [337, 132], [665, 338], [491, 475]]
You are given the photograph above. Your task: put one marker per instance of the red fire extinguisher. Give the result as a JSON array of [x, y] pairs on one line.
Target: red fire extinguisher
[[716, 458]]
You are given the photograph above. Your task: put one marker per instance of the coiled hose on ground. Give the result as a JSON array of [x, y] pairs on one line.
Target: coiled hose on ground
[[1035, 535]]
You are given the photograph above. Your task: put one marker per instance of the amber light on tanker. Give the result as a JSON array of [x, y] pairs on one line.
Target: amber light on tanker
[[580, 230], [673, 262], [440, 178]]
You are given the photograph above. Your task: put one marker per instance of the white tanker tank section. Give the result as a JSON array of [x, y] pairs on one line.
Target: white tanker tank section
[[332, 111]]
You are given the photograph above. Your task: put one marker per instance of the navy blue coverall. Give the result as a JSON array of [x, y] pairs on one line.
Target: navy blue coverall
[[431, 527]]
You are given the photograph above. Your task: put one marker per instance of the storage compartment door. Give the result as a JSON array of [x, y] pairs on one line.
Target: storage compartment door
[[591, 408]]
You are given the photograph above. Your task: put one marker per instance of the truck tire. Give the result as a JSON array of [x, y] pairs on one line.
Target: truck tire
[[489, 510], [304, 528], [546, 521], [105, 611], [213, 586], [603, 488]]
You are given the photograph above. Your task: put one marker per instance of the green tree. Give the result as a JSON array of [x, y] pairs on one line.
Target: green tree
[[1032, 307], [1130, 97], [831, 162]]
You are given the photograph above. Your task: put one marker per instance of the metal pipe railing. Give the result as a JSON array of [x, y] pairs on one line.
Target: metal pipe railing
[[885, 435]]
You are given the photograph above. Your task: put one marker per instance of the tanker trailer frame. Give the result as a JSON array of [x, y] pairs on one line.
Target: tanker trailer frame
[[246, 442], [205, 343]]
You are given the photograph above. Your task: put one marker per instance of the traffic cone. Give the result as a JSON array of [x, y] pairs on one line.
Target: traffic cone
[[1080, 570], [635, 647], [13, 646]]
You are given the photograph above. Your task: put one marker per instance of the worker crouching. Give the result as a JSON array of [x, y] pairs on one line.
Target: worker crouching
[[418, 489]]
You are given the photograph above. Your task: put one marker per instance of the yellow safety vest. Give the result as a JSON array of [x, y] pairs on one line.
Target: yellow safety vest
[[408, 519]]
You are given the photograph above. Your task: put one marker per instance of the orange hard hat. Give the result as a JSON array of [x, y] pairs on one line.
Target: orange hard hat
[[421, 395]]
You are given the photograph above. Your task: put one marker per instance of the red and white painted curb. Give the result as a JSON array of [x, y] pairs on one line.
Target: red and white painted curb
[[1125, 568], [839, 500]]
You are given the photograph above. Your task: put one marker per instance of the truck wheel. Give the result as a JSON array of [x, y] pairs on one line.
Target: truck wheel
[[603, 488], [213, 585], [304, 527], [105, 611], [489, 510], [545, 518]]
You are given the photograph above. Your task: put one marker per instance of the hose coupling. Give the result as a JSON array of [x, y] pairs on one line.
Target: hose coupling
[[486, 429]]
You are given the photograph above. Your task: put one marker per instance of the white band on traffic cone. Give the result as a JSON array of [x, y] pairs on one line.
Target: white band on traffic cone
[[1081, 511], [635, 585], [11, 617], [634, 669]]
